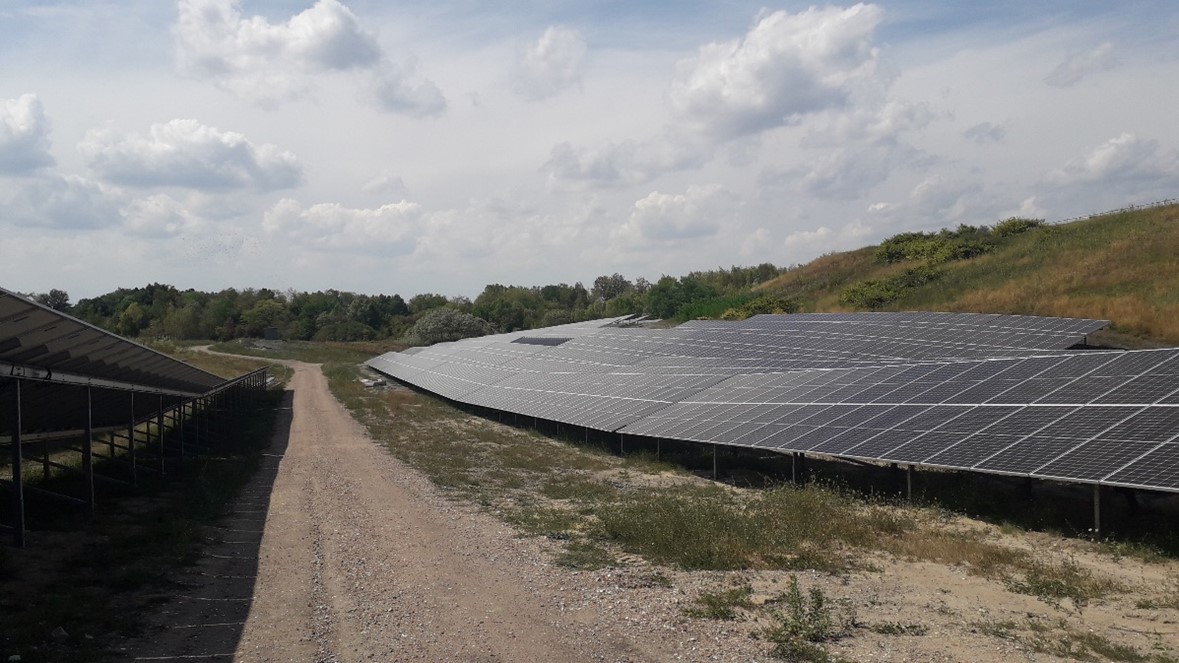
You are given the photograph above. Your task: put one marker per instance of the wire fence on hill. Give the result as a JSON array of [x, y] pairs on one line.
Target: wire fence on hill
[[1130, 208]]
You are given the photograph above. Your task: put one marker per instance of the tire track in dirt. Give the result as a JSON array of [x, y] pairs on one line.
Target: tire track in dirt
[[362, 561]]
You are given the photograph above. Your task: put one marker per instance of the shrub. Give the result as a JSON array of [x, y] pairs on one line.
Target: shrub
[[761, 305], [877, 293], [446, 324], [1016, 226]]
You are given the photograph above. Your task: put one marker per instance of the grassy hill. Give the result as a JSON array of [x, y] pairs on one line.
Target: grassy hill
[[1122, 266]]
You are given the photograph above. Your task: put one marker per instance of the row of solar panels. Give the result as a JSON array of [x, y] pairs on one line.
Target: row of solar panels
[[974, 392]]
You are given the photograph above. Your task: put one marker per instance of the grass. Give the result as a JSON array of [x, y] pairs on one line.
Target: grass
[[1116, 266], [1053, 582], [1166, 599], [899, 628], [722, 604], [1060, 640]]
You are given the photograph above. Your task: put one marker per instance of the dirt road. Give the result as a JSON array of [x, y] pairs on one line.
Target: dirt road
[[357, 564]]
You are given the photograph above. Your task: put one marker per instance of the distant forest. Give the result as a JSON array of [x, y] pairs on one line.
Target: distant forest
[[163, 311]]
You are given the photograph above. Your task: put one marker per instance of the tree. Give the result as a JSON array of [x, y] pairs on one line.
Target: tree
[[426, 301], [446, 324], [58, 300], [609, 287]]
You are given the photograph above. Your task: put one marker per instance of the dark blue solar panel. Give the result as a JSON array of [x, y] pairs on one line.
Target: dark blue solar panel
[[1095, 460]]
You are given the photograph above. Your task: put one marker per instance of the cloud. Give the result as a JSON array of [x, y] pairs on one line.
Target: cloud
[[401, 90], [624, 162], [1124, 159], [64, 203], [271, 63], [385, 183], [1027, 209], [985, 132], [785, 67], [24, 135], [699, 212], [554, 63], [159, 215], [1075, 68], [871, 124], [186, 153], [846, 175], [388, 230]]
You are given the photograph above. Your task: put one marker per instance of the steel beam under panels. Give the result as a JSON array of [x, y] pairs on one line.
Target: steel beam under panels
[[146, 432]]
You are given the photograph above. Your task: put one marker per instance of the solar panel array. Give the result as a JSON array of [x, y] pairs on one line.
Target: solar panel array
[[987, 393]]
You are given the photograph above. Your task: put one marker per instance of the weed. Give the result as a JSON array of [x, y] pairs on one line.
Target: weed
[[804, 623], [722, 604], [1053, 582], [542, 521], [899, 628], [587, 556], [659, 579], [1167, 599]]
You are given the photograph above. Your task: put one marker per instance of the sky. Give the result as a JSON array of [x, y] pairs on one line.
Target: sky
[[440, 146]]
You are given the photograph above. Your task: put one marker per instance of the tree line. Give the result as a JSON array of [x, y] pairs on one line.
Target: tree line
[[164, 311]]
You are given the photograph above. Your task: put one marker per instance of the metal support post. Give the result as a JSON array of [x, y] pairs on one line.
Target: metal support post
[[714, 472], [88, 453], [18, 484], [131, 441], [621, 445], [658, 448], [160, 432], [909, 484], [179, 410], [1097, 510]]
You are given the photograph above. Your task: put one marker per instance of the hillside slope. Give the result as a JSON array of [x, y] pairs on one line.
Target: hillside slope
[[1122, 266]]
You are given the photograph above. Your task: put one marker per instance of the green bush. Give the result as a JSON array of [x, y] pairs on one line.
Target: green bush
[[875, 294], [943, 246], [761, 305], [446, 324], [1016, 226]]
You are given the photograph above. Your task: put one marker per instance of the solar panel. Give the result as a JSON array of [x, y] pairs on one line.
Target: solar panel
[[981, 392]]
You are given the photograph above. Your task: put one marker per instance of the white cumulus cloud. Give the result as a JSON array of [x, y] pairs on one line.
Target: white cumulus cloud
[[624, 162], [65, 203], [786, 66], [159, 215], [24, 135], [186, 153], [552, 64], [1075, 68], [1125, 158], [387, 230], [701, 211], [270, 63]]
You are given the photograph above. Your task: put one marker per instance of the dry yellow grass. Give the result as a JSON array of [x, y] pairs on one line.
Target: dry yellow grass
[[1122, 267]]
